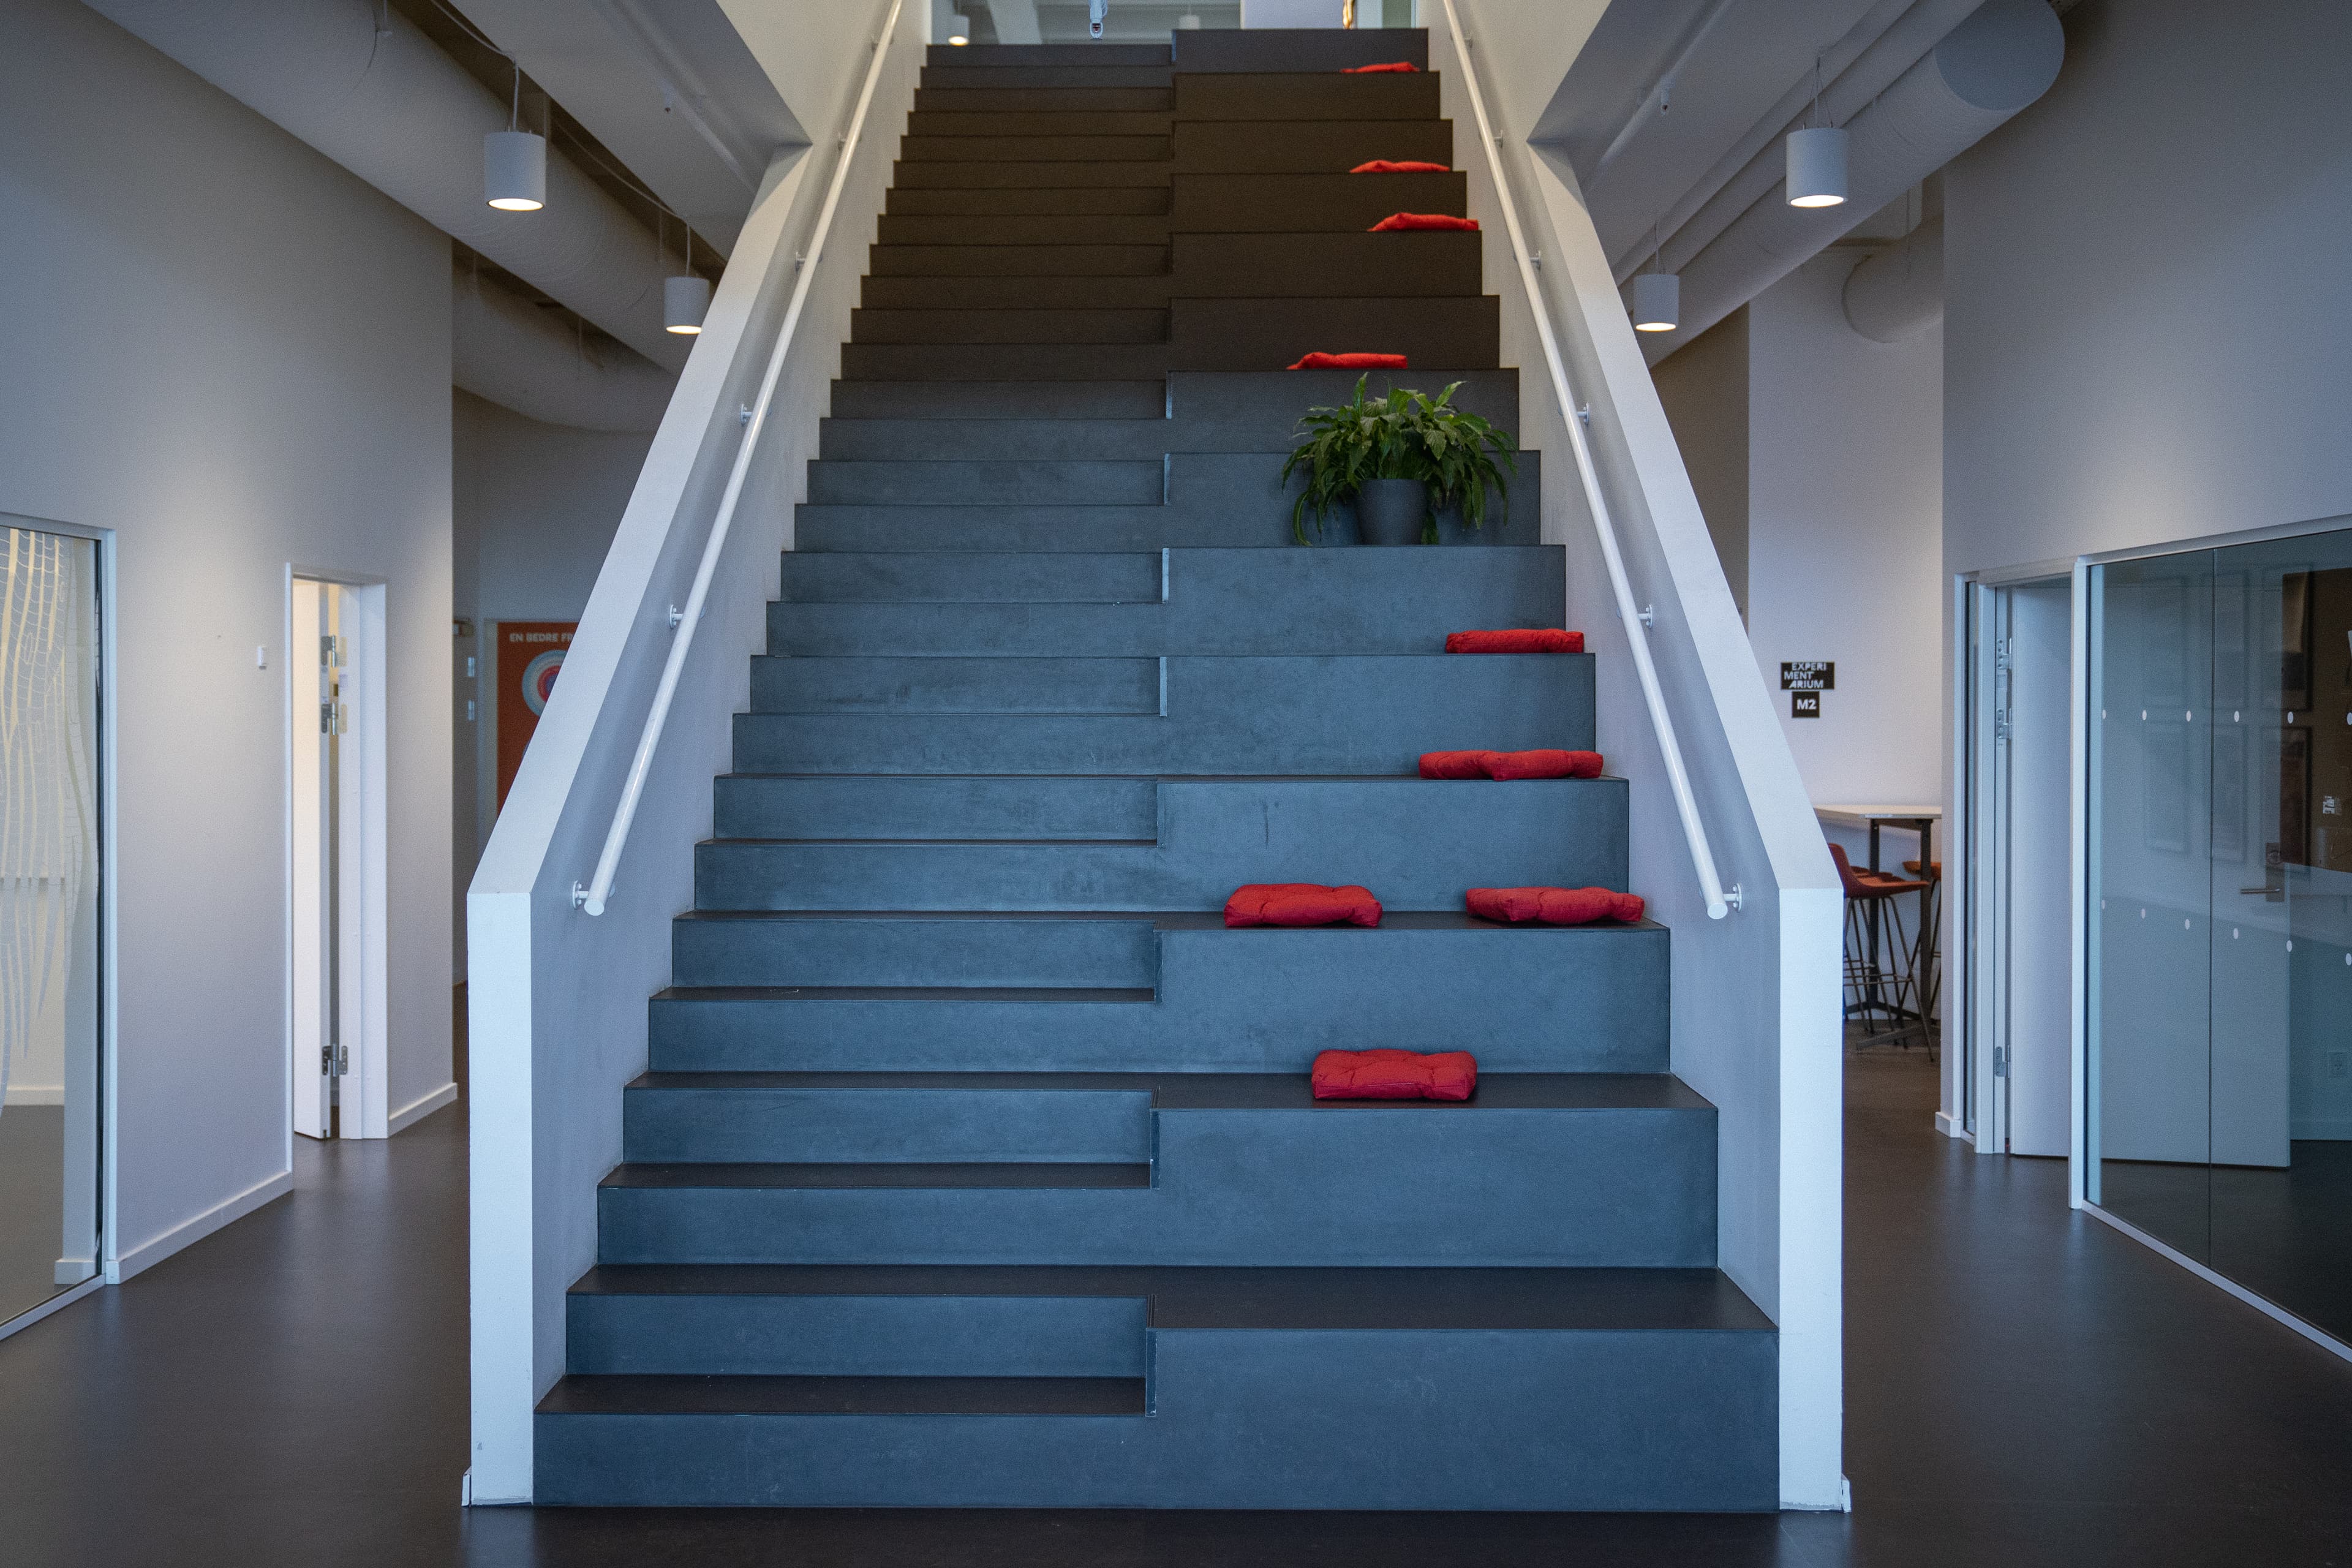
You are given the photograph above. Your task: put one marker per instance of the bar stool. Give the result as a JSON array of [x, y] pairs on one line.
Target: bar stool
[[1882, 972], [1931, 944]]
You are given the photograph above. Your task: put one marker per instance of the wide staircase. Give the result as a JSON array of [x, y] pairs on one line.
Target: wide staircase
[[977, 1164]]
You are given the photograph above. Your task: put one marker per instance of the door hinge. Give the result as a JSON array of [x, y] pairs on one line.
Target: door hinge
[[326, 718], [334, 1060], [2000, 1061]]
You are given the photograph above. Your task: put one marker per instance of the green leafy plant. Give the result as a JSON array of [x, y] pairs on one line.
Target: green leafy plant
[[1406, 434]]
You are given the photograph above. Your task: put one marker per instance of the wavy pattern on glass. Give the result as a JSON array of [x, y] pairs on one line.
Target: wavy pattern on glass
[[47, 831]]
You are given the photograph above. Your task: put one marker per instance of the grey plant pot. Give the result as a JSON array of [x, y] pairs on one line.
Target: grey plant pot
[[1391, 512]]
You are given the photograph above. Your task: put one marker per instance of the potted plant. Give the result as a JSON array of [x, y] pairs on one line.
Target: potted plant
[[1403, 457]]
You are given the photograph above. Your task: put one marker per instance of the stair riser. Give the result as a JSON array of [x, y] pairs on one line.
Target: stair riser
[[1000, 401], [1370, 714], [1603, 1420], [1032, 230], [1310, 267], [856, 1126], [1021, 261], [1110, 201], [1002, 362], [1115, 149], [988, 63], [1066, 326], [1330, 147], [1050, 124], [1045, 100], [1009, 483], [1265, 334], [802, 685], [1354, 601], [1305, 203], [1417, 846], [1590, 1001], [1056, 175], [1632, 1188], [1133, 291], [1320, 95], [1298, 49], [749, 806], [857, 1336], [1110, 953]]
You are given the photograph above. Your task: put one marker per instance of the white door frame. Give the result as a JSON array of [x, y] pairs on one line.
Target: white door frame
[[365, 956]]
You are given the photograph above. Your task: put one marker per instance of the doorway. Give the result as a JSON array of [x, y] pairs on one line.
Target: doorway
[[336, 859], [2018, 1077]]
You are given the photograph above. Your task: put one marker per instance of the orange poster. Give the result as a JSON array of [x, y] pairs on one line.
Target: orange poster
[[529, 653]]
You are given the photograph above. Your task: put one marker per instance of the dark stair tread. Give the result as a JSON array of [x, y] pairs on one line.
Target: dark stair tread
[[1208, 1297], [907, 1175], [1128, 916], [931, 843], [1021, 993], [1234, 1091], [639, 1394]]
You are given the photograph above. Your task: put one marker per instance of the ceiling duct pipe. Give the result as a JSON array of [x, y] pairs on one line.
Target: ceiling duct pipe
[[2002, 57], [518, 356], [1899, 292], [363, 87]]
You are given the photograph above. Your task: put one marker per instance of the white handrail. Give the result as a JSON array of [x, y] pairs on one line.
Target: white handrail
[[592, 896], [1720, 902]]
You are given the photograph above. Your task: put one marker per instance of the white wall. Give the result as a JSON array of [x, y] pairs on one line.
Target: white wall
[[1703, 386], [236, 356], [1844, 527], [535, 507]]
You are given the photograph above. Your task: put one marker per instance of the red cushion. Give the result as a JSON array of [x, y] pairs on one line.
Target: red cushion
[[1399, 166], [1396, 223], [1401, 67], [1542, 764], [1301, 904], [1395, 1075], [1539, 639], [1553, 906], [1545, 764], [1350, 361]]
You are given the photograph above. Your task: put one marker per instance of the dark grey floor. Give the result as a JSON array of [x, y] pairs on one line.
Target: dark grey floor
[[32, 1188], [2024, 1387]]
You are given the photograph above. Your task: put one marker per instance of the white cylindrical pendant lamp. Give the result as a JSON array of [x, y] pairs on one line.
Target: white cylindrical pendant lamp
[[514, 171], [1657, 301], [959, 30], [1817, 167], [684, 302]]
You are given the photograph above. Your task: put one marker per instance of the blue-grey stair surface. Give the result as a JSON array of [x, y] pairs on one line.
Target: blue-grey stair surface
[[976, 1163]]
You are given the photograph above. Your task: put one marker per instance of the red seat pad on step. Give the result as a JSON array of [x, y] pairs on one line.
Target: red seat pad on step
[[1350, 361], [1301, 904], [1395, 1075], [1534, 639], [1553, 906], [1399, 166], [1402, 67], [1542, 764], [1398, 222]]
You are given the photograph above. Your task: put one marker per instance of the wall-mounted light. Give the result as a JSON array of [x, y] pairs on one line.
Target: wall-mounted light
[[1657, 301], [1817, 167], [514, 164], [959, 30]]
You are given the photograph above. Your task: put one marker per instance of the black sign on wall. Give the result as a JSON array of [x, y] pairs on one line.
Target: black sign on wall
[[1804, 705], [1809, 675]]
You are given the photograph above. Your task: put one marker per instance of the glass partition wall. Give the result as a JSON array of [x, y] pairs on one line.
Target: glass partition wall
[[2220, 984], [50, 917]]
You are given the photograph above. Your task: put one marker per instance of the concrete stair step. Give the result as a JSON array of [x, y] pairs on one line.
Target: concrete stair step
[[1002, 362], [1060, 174], [1021, 261], [1059, 57], [1207, 838], [1036, 483], [1047, 201], [1307, 713], [890, 685], [1308, 203], [1027, 228], [1560, 1170], [1033, 149], [1049, 291], [1308, 147], [900, 806], [1058, 120], [1066, 325], [1266, 334], [1044, 100], [1304, 95], [1307, 267], [1295, 50], [840, 948], [1524, 998], [1001, 400]]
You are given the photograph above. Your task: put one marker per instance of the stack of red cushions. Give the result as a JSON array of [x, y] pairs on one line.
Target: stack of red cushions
[[1350, 361], [1554, 906], [1523, 639], [1405, 67], [1395, 1075], [1399, 166], [1398, 222], [1301, 904], [1543, 764]]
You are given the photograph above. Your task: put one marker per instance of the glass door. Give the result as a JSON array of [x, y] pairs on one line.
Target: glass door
[[50, 990]]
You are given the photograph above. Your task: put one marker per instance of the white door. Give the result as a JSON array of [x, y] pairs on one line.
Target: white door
[[313, 1030], [2036, 1019]]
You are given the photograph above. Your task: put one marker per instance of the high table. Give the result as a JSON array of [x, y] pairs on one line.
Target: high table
[[1922, 820]]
